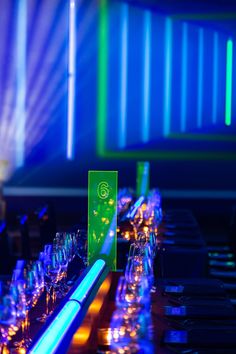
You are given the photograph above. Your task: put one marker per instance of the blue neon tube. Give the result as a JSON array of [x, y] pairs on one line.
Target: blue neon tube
[[124, 69], [184, 78], [168, 77], [136, 205], [200, 79], [20, 114], [215, 76], [71, 81], [146, 81], [49, 342], [89, 280]]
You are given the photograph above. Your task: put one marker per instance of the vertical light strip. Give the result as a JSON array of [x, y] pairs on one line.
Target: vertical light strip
[[124, 67], [71, 81], [229, 71], [102, 79], [184, 78], [215, 76], [168, 69], [146, 81], [200, 78], [20, 114]]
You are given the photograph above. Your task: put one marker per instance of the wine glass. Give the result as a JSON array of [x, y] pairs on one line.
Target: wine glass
[[32, 293], [131, 296], [7, 316], [37, 266], [80, 246], [51, 269], [136, 219], [63, 262], [131, 331], [137, 268], [17, 291]]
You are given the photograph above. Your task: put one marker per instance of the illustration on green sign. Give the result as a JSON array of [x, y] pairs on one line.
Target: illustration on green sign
[[102, 216]]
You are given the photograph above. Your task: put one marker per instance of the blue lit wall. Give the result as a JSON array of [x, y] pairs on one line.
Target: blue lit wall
[[165, 94]]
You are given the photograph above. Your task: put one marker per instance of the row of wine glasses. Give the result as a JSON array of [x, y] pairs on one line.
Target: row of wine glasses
[[131, 322], [17, 297], [148, 215], [56, 258], [28, 281]]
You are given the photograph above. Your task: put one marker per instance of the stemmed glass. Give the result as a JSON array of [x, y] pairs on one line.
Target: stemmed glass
[[80, 246], [31, 290], [7, 316], [63, 262], [52, 269], [137, 268], [136, 220], [131, 321], [132, 296]]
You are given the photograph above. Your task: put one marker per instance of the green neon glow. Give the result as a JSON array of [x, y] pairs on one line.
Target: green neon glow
[[169, 155], [102, 79], [102, 217], [207, 16], [229, 70], [143, 178], [204, 137], [89, 280], [50, 340]]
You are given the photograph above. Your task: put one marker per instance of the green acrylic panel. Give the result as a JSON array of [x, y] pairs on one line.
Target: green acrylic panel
[[102, 216], [142, 186]]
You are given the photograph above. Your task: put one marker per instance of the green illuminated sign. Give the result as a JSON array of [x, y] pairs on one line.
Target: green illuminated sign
[[142, 186], [102, 216]]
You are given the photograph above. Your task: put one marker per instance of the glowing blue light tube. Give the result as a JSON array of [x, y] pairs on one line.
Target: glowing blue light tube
[[215, 76], [124, 69], [200, 78], [50, 340], [20, 114], [168, 77], [71, 81], [136, 205], [81, 292], [184, 78], [146, 81]]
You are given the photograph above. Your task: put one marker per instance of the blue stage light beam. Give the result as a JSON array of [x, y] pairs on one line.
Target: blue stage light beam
[[71, 80], [168, 77], [147, 77], [215, 77], [20, 113], [124, 68], [200, 78], [50, 340], [82, 291], [184, 78]]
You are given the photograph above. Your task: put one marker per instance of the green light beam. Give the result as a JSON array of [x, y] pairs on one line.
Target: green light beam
[[102, 78]]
